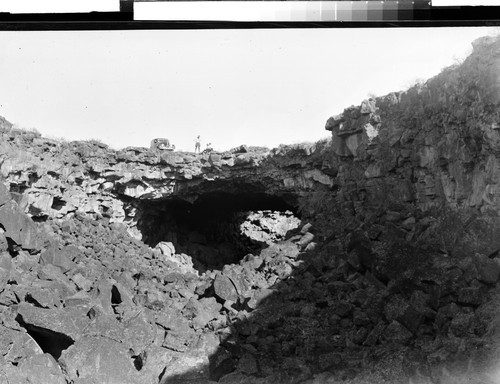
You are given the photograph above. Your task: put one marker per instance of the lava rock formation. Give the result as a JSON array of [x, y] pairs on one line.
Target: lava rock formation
[[371, 257]]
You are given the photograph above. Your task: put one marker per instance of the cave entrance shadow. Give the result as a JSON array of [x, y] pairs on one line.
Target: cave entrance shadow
[[261, 340], [312, 328], [208, 230]]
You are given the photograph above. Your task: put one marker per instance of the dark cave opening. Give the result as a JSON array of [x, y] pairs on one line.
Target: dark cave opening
[[53, 343], [217, 229]]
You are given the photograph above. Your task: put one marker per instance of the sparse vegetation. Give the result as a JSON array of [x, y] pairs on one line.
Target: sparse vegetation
[[97, 142], [416, 83], [324, 141], [59, 139], [30, 132]]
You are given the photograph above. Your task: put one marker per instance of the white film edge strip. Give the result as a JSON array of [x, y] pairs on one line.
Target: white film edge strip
[[58, 6], [250, 10], [455, 3], [225, 10], [212, 10]]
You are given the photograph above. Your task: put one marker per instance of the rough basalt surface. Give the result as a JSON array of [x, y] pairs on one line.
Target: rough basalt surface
[[368, 258], [56, 179]]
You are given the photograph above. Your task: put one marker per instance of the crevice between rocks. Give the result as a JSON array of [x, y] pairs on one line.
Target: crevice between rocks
[[29, 299], [139, 360], [51, 342], [116, 299]]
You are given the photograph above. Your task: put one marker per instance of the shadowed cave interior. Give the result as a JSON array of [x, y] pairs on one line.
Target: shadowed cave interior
[[219, 228]]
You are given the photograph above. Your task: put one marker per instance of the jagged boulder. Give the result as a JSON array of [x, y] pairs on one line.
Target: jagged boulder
[[5, 269], [19, 228], [5, 195], [70, 323], [58, 257], [42, 368], [100, 360]]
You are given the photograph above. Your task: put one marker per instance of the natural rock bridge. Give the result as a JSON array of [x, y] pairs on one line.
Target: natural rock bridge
[[394, 276]]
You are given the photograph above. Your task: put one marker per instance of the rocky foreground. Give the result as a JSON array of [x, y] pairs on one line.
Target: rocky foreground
[[372, 257]]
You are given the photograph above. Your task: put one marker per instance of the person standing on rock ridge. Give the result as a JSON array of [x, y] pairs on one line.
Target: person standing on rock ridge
[[197, 145]]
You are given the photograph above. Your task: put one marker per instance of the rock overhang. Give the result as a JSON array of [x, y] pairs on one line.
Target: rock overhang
[[88, 177]]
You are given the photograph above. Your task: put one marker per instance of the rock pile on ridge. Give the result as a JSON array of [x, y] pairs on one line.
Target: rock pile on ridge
[[58, 179]]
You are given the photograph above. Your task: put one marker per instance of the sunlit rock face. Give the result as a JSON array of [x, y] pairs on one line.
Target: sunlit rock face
[[436, 143], [355, 128]]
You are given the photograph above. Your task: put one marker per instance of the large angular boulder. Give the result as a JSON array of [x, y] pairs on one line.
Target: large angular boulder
[[57, 257], [16, 345], [40, 369], [202, 311], [138, 333], [69, 322], [102, 360], [225, 289], [19, 227], [5, 195], [5, 269]]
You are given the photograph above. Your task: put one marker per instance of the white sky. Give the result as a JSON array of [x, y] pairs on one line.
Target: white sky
[[232, 87]]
